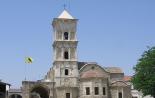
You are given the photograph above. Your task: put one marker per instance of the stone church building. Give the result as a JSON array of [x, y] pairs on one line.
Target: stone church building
[[69, 78]]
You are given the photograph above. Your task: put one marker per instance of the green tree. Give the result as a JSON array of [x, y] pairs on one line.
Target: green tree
[[144, 78]]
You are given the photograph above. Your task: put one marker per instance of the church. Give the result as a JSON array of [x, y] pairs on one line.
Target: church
[[70, 78]]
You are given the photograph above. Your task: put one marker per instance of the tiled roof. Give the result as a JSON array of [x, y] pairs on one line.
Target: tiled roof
[[127, 78], [92, 74], [114, 69]]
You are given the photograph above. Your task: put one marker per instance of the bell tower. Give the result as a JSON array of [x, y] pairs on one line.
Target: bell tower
[[65, 50]]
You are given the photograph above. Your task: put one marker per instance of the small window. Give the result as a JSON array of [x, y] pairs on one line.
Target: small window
[[92, 67], [87, 91], [66, 72], [66, 56], [66, 36], [96, 90], [120, 95], [104, 91], [67, 95]]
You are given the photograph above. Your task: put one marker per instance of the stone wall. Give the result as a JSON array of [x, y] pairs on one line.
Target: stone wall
[[92, 83], [29, 86]]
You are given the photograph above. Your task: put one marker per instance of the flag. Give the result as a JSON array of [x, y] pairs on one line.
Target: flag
[[28, 60]]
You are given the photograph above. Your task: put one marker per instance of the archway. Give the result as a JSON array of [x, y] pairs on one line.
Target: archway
[[15, 96], [39, 92]]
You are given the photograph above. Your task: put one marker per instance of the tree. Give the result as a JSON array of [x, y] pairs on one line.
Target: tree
[[144, 78]]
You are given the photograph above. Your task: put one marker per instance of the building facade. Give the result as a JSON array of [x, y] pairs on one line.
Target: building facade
[[69, 78], [4, 88]]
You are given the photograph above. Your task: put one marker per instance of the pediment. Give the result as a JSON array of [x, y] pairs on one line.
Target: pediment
[[93, 71], [119, 83]]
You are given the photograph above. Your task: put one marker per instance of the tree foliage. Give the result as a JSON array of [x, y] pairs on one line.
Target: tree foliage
[[144, 78]]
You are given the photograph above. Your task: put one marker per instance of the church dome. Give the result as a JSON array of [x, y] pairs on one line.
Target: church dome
[[92, 74]]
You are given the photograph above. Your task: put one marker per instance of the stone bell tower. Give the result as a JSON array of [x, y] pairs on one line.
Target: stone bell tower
[[65, 54]]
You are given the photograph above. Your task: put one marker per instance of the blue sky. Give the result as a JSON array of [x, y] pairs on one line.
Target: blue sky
[[110, 32]]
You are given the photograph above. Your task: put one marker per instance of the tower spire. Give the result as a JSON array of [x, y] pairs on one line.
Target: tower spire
[[65, 14]]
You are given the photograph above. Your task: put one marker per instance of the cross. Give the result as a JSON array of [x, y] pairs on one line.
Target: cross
[[64, 6]]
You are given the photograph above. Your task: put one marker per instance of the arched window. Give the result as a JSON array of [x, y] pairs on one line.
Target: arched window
[[66, 36], [87, 91], [96, 89], [66, 55], [66, 72], [120, 95], [67, 95], [104, 91]]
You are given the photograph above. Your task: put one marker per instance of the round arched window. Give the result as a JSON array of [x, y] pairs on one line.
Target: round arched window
[[66, 55], [66, 71], [66, 36]]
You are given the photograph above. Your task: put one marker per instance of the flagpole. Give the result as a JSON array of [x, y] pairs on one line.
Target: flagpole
[[25, 68], [28, 60]]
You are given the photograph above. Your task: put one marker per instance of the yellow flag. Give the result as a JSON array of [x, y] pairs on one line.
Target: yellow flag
[[28, 60]]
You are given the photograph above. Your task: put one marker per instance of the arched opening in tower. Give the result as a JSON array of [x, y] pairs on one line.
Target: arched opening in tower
[[66, 36], [39, 92]]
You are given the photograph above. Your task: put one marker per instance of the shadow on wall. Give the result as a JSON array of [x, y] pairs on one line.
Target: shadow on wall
[[39, 92]]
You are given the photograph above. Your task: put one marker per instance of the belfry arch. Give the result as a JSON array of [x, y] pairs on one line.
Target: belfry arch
[[39, 92]]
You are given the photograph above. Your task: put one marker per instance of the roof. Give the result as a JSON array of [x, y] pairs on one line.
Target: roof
[[3, 83], [81, 64], [65, 15], [114, 69], [92, 74], [119, 83], [127, 78]]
